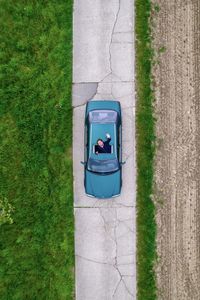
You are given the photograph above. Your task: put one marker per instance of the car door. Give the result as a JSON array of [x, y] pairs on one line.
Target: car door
[[120, 143], [86, 143]]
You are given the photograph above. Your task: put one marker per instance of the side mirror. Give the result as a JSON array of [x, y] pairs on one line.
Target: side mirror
[[83, 163]]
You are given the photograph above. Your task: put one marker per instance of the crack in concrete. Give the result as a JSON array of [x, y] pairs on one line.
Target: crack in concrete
[[122, 32], [127, 289], [124, 255], [94, 92], [112, 33], [127, 156], [126, 225], [125, 233], [114, 223], [106, 224], [89, 97], [94, 261], [116, 254], [129, 229], [76, 106], [104, 221], [118, 205], [126, 264], [115, 265], [116, 288], [102, 80], [121, 43], [122, 280]]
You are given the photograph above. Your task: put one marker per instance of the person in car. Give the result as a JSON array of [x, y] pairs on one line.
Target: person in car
[[103, 146]]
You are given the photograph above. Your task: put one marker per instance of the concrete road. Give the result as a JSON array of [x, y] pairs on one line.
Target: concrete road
[[103, 68]]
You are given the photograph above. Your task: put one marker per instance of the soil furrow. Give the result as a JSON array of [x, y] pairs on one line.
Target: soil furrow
[[177, 163]]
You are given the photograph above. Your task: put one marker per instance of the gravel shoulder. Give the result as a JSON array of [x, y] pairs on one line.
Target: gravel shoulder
[[177, 180]]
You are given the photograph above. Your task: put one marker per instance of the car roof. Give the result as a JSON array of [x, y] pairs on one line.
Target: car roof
[[98, 131]]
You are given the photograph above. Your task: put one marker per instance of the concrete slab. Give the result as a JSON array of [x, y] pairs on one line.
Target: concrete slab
[[83, 92], [97, 28], [93, 26], [117, 90], [103, 270], [125, 20], [123, 67], [95, 281]]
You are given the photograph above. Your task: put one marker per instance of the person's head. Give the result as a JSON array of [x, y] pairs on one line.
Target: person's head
[[100, 142]]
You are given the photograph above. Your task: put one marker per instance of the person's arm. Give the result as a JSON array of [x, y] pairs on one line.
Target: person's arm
[[108, 139]]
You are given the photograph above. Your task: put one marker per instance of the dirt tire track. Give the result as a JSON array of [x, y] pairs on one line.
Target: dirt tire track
[[177, 164]]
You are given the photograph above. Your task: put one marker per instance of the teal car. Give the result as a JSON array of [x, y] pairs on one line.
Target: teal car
[[103, 169]]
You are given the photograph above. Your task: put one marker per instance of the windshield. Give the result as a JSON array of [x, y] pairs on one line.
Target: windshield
[[103, 116], [103, 166]]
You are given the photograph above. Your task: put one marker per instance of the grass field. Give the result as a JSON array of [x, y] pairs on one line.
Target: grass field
[[36, 231], [146, 228]]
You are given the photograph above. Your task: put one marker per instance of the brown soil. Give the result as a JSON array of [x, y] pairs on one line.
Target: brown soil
[[176, 32]]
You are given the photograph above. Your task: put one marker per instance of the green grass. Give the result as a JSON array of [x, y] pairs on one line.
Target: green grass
[[146, 227], [36, 200]]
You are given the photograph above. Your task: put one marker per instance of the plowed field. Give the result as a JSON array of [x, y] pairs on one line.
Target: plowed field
[[176, 32]]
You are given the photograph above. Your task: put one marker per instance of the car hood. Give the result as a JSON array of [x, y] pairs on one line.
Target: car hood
[[103, 186]]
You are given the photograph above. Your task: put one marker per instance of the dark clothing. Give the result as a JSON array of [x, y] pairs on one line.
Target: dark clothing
[[105, 149]]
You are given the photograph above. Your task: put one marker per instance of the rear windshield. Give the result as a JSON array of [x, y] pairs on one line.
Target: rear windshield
[[102, 116]]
